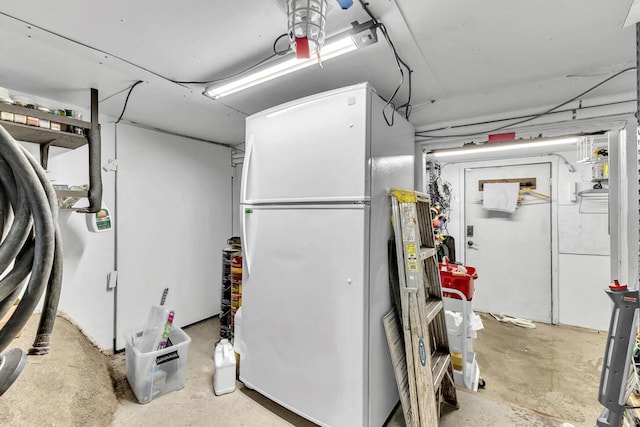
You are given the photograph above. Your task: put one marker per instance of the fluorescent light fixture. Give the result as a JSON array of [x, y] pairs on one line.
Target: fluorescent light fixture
[[344, 43], [505, 146], [280, 68]]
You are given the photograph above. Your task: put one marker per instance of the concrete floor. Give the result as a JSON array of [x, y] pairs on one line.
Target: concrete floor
[[546, 376]]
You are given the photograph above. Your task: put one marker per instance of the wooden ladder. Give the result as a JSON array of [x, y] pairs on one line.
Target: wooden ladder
[[421, 312]]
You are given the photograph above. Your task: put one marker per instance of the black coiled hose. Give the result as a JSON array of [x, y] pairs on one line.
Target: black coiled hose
[[30, 245]]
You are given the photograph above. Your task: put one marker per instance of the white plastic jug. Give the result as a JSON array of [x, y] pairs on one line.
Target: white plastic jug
[[224, 360]]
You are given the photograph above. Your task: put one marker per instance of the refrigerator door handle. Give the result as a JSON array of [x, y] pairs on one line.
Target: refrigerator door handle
[[245, 243], [245, 170]]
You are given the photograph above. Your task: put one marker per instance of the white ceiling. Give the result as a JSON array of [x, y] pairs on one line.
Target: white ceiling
[[469, 58]]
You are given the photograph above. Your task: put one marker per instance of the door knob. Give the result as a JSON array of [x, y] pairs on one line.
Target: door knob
[[471, 244]]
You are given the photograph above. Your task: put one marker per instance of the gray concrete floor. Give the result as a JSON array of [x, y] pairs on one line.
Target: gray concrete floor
[[546, 376]]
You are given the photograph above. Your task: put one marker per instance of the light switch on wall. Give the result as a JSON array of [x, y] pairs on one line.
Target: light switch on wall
[[573, 191], [112, 279]]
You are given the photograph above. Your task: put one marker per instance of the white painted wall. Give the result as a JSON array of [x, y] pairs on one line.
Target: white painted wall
[[583, 302], [89, 257], [174, 218], [584, 254], [581, 241]]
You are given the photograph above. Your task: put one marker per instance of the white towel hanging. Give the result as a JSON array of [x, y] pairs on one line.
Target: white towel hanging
[[502, 196]]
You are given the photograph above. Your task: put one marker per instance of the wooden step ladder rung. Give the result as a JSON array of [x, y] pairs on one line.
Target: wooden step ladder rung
[[434, 307], [439, 364]]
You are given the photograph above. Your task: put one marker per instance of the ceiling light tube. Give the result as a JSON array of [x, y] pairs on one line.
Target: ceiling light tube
[[280, 68], [504, 146], [360, 35]]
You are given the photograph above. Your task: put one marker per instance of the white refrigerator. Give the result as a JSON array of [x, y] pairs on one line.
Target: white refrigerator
[[315, 218]]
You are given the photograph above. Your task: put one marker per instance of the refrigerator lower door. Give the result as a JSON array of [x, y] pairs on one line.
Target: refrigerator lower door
[[303, 311]]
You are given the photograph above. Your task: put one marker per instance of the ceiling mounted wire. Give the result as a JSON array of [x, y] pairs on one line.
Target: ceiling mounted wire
[[275, 45], [399, 62], [428, 133], [126, 101]]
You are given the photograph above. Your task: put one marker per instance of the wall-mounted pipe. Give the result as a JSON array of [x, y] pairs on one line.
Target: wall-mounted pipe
[[95, 153]]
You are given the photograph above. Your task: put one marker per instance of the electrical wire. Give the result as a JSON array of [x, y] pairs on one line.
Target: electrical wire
[[276, 52], [439, 191], [407, 105], [230, 76], [114, 94], [281, 52], [428, 134], [488, 122], [95, 49], [133, 64], [126, 101], [399, 62]]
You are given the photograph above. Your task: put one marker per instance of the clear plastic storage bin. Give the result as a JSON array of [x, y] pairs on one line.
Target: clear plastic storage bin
[[158, 372]]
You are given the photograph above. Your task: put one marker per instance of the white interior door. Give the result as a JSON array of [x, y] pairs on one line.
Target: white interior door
[[511, 251], [173, 220]]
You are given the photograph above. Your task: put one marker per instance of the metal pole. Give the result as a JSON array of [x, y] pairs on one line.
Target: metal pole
[[95, 175]]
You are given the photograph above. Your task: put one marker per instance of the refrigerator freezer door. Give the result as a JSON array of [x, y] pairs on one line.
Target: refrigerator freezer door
[[303, 313], [312, 150]]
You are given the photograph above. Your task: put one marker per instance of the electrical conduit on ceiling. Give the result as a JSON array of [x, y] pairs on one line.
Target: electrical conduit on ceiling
[[584, 112], [428, 134]]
